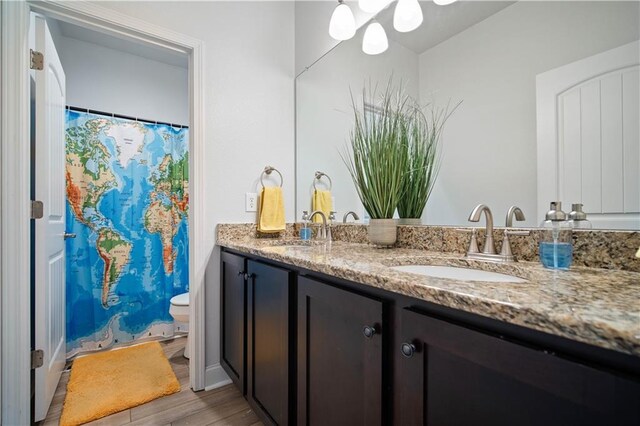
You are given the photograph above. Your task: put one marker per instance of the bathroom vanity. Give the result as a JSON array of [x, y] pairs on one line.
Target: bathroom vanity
[[331, 334]]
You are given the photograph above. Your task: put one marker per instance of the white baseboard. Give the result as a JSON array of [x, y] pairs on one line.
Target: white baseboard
[[215, 377]]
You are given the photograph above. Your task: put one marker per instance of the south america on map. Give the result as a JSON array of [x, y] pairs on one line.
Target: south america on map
[[127, 202]]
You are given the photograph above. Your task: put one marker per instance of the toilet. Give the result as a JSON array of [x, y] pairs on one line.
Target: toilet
[[179, 310]]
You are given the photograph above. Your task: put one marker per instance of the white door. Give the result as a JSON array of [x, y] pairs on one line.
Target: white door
[[49, 230], [589, 137]]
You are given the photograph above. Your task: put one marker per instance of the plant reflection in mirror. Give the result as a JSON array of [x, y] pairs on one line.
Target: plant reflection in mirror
[[420, 132], [393, 153]]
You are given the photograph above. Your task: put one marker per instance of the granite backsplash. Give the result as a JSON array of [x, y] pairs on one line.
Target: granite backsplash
[[592, 248]]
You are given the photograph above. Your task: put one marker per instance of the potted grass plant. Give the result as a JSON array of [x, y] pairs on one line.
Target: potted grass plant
[[377, 159], [420, 133]]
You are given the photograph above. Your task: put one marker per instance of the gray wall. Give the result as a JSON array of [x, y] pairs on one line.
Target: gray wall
[[491, 67], [121, 83]]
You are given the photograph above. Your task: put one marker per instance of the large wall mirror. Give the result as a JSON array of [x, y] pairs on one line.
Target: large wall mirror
[[550, 95]]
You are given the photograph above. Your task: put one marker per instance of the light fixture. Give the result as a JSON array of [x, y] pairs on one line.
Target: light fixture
[[407, 16], [443, 2], [375, 39], [342, 25], [371, 6]]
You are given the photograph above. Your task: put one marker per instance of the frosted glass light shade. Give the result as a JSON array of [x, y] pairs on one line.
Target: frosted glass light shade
[[443, 2], [407, 16], [342, 25], [375, 39]]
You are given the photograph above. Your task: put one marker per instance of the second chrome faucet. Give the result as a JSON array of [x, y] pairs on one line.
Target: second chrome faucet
[[489, 250]]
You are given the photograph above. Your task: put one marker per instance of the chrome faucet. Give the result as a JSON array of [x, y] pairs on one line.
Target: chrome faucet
[[352, 213], [489, 246], [513, 211], [332, 217], [323, 231], [489, 249], [506, 252]]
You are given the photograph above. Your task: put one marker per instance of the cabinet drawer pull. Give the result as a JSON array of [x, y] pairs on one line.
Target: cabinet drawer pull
[[408, 349], [369, 331], [249, 276], [242, 273]]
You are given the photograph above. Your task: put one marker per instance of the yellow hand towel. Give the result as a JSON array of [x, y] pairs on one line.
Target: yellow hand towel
[[322, 201], [271, 210]]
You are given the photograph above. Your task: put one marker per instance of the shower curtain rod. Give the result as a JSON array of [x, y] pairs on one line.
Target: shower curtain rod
[[126, 117]]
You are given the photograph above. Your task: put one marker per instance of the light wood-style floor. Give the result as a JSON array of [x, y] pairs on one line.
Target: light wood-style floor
[[223, 406]]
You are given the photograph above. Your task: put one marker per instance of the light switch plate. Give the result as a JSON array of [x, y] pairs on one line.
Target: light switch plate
[[251, 202]]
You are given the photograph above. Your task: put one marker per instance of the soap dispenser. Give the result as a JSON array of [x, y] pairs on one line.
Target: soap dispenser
[[305, 231], [556, 251], [578, 218]]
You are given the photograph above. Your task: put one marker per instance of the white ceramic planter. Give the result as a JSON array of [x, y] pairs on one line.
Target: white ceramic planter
[[383, 232]]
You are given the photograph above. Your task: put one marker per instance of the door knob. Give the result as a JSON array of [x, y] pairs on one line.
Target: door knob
[[369, 331], [408, 349], [68, 235]]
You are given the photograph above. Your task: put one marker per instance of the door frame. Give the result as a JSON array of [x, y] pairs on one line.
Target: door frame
[[15, 327]]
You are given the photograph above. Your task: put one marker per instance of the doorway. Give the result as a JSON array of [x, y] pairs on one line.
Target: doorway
[[15, 124]]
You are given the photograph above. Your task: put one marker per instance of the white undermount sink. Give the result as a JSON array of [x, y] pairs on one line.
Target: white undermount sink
[[463, 274]]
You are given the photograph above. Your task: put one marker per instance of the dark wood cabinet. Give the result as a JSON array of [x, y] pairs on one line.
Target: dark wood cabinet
[[340, 348], [269, 327], [310, 349], [233, 318], [454, 375]]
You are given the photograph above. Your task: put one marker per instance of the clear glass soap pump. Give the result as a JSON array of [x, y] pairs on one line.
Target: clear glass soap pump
[[578, 218], [556, 251]]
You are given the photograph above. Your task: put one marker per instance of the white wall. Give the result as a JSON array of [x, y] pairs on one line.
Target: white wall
[[249, 102], [117, 82], [490, 142], [325, 116]]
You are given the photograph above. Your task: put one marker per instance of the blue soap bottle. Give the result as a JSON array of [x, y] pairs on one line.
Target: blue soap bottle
[[556, 250], [305, 231]]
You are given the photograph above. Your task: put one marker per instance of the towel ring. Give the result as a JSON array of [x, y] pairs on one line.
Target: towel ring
[[319, 176], [267, 171]]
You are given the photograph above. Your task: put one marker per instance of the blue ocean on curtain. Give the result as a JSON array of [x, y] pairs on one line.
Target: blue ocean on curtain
[[127, 202]]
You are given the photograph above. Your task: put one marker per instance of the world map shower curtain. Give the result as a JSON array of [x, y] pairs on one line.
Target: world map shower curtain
[[127, 202]]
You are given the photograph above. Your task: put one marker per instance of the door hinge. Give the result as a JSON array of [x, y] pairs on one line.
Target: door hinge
[[37, 60], [37, 358], [37, 209]]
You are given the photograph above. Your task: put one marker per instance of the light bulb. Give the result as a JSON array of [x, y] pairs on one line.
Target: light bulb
[[371, 6], [443, 2], [375, 39], [407, 16], [342, 25]]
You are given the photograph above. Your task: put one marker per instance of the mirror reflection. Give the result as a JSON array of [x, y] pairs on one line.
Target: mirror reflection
[[549, 92]]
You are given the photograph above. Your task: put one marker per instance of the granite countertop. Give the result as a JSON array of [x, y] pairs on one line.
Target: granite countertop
[[595, 306]]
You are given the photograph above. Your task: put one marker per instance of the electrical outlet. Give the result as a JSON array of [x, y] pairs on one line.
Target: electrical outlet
[[251, 202]]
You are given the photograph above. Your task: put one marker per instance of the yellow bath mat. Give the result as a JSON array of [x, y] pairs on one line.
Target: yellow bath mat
[[107, 382]]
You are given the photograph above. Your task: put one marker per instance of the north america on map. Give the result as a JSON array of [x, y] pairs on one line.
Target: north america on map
[[127, 201]]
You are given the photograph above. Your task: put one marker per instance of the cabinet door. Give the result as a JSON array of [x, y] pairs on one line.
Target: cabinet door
[[233, 323], [452, 375], [339, 356], [268, 343]]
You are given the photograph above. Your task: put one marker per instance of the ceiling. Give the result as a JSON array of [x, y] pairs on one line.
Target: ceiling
[[124, 45], [440, 22]]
